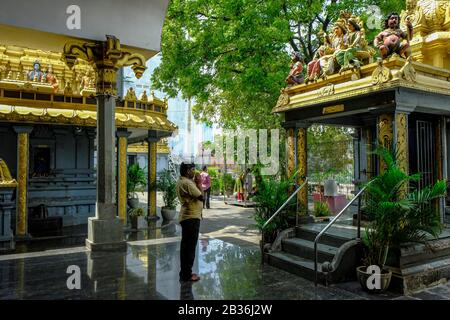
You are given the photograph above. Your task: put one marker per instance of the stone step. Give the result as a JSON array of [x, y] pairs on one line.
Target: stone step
[[336, 236], [294, 264], [305, 249]]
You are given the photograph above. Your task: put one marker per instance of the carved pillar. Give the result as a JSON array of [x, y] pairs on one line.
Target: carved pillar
[[105, 231], [385, 134], [367, 134], [290, 150], [302, 167], [122, 137], [23, 134], [152, 143], [401, 144]]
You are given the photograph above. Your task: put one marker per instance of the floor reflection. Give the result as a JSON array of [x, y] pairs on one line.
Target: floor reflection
[[151, 272]]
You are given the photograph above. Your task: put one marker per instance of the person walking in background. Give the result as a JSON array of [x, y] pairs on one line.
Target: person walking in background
[[206, 187], [191, 199], [239, 188]]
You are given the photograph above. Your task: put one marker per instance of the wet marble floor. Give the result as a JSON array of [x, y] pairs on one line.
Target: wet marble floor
[[149, 270]]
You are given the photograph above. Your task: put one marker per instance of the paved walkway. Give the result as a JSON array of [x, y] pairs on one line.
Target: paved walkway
[[149, 270], [227, 259]]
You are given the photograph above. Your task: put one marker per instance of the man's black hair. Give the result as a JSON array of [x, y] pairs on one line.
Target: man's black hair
[[205, 168], [184, 167]]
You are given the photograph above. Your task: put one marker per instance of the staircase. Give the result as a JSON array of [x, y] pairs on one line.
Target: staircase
[[337, 246]]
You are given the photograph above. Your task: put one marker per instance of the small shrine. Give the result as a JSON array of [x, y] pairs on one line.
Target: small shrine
[[48, 119], [394, 91]]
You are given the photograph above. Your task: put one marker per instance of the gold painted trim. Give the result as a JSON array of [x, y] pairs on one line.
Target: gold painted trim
[[333, 109], [124, 118], [122, 192], [22, 173], [152, 179], [302, 167]]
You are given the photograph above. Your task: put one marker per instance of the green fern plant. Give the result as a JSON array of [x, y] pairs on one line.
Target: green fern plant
[[398, 215]]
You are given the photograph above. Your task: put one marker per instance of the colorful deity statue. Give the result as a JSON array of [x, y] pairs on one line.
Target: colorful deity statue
[[324, 62], [295, 75], [346, 58], [51, 78], [393, 40], [36, 74]]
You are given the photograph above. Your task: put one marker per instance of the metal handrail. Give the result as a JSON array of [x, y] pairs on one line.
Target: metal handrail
[[316, 240], [284, 204]]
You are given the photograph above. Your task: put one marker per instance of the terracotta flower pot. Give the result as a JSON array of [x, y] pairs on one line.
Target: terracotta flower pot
[[384, 279]]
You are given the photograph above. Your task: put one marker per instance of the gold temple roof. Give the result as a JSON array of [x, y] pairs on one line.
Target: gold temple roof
[[162, 147], [124, 118], [66, 96]]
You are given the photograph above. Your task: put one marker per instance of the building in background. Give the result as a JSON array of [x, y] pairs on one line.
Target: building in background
[[186, 143]]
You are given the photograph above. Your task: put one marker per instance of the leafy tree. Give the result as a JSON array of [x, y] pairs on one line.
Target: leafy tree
[[232, 56]]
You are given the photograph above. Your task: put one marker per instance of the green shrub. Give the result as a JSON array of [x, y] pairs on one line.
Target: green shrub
[[398, 215], [168, 185], [227, 183], [321, 209], [136, 180]]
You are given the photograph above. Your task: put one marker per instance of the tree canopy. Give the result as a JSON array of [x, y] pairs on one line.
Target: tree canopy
[[232, 56]]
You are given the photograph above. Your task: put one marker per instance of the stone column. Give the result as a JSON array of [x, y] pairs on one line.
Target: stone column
[[385, 134], [367, 134], [401, 144], [152, 149], [122, 136], [290, 151], [302, 167], [23, 134], [105, 230]]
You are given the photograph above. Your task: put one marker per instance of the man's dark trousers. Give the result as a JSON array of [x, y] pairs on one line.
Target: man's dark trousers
[[206, 196], [189, 237]]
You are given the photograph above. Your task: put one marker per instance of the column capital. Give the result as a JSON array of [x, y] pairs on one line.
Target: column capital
[[23, 129], [302, 125], [153, 136], [404, 108], [123, 133]]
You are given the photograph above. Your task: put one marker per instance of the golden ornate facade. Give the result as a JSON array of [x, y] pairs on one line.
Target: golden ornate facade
[[36, 100]]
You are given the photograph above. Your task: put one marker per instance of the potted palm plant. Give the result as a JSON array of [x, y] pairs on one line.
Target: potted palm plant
[[398, 214], [167, 185], [136, 182]]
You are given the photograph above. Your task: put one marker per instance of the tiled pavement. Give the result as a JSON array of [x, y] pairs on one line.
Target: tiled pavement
[[149, 270]]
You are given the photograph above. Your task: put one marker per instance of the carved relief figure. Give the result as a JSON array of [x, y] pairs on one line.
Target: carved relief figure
[[393, 39], [143, 96], [35, 74], [51, 78], [295, 75], [346, 58], [324, 61]]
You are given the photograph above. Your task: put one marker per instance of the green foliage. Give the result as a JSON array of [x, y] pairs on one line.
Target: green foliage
[[227, 183], [232, 56], [398, 216], [321, 209], [271, 195], [329, 152], [136, 180], [168, 186], [215, 180], [136, 212]]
